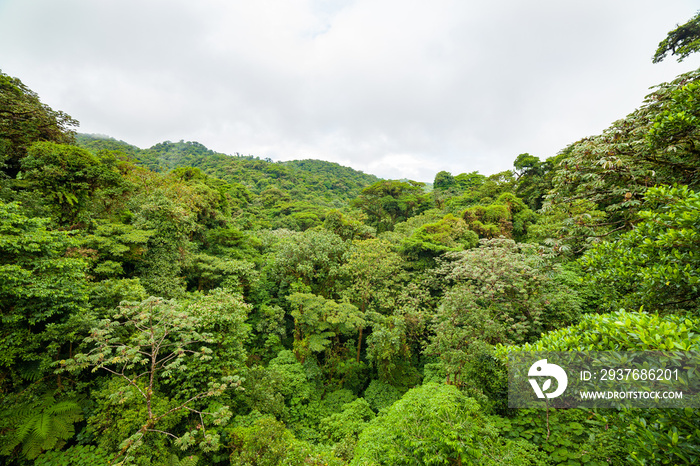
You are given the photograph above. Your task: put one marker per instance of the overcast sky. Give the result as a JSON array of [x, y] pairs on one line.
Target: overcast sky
[[396, 88]]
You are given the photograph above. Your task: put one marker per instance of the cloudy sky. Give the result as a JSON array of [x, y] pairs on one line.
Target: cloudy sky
[[396, 88]]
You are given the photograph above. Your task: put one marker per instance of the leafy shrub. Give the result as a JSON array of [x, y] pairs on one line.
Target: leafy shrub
[[621, 331], [264, 441], [77, 455], [437, 424], [571, 436], [652, 436], [657, 264], [380, 395]]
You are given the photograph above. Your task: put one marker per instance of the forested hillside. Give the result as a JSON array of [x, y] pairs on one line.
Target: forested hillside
[[174, 305], [295, 194]]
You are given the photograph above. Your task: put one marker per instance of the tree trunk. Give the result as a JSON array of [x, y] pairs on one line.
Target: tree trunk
[[359, 339]]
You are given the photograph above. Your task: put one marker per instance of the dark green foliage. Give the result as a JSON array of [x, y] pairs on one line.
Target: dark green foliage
[[172, 224], [380, 395], [307, 262], [682, 41], [264, 441], [77, 455], [115, 250], [68, 178], [344, 426], [63, 174], [389, 351], [319, 321], [443, 180], [42, 283], [574, 436], [675, 129], [306, 402], [664, 436], [657, 264], [297, 381], [44, 424], [386, 203], [106, 295], [534, 179], [25, 120], [371, 270]]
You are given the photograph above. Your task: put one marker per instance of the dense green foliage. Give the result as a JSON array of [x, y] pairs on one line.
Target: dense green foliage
[[296, 194], [437, 424], [653, 436], [25, 120], [656, 264], [174, 305]]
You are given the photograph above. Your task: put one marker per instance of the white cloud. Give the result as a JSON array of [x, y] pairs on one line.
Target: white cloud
[[397, 88]]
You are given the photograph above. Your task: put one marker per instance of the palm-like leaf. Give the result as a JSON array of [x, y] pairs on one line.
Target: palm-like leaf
[[44, 425]]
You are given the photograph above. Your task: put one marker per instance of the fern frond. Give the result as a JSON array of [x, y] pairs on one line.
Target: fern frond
[[30, 370], [187, 461], [46, 425], [42, 425]]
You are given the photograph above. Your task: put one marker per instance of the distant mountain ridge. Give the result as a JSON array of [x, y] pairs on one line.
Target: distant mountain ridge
[[310, 180]]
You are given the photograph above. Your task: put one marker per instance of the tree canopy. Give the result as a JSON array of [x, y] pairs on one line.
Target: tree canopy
[[24, 119], [175, 305]]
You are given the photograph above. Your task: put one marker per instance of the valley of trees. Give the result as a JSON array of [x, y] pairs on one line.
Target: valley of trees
[[177, 306]]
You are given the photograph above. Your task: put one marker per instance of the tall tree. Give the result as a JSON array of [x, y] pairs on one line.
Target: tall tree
[[534, 179], [143, 346], [25, 120], [67, 176], [41, 286], [656, 144], [317, 321], [443, 180], [388, 202], [502, 292], [308, 262], [372, 267]]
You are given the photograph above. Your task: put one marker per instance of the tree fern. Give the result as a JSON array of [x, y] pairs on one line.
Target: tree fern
[[186, 461], [44, 425], [30, 371]]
